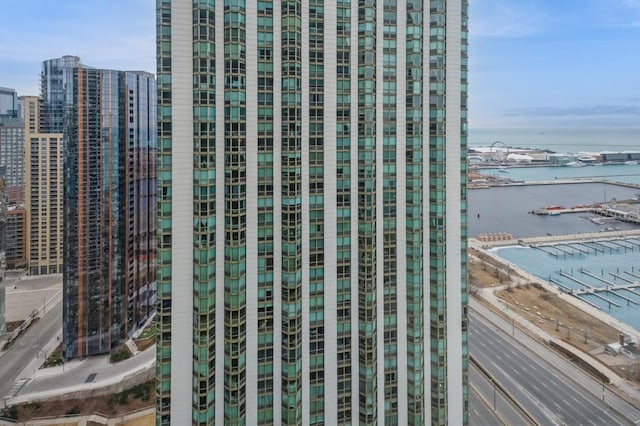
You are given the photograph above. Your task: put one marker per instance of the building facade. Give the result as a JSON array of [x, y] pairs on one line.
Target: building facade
[[56, 92], [109, 209], [312, 212], [44, 200], [16, 237], [8, 103], [44, 163], [12, 150]]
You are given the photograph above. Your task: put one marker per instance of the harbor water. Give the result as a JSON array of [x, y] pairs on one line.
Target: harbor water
[[575, 266], [508, 209]]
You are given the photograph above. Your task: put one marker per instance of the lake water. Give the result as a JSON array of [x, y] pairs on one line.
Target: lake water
[[560, 140], [580, 265]]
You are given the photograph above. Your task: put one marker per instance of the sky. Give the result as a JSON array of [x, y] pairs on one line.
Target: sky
[[533, 63], [554, 63]]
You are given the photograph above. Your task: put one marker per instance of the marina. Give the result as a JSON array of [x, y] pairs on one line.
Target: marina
[[602, 272], [577, 228]]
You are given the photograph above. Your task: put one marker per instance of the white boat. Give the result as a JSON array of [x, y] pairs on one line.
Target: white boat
[[503, 169], [631, 162], [576, 164]]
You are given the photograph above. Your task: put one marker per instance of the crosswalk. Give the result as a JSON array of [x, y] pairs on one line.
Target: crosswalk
[[17, 386]]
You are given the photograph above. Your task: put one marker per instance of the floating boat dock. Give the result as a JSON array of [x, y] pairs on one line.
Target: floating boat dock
[[625, 210]]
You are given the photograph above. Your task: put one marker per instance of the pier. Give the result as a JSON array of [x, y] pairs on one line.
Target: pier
[[589, 274], [632, 274], [610, 287], [590, 290], [624, 210], [620, 277], [543, 248]]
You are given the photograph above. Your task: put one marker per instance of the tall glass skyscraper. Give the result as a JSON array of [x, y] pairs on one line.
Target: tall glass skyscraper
[[56, 91], [109, 209], [312, 212]]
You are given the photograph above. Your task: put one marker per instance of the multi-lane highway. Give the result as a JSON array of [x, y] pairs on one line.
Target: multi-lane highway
[[492, 405], [551, 395]]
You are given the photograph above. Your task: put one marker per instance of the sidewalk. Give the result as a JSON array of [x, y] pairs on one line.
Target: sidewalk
[[89, 375]]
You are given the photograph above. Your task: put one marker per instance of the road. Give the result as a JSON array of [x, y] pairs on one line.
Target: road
[[550, 395], [479, 412], [90, 373], [504, 412], [24, 350]]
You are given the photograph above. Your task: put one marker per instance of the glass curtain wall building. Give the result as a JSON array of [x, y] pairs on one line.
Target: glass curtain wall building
[[56, 92], [8, 103], [12, 150], [312, 212], [109, 209]]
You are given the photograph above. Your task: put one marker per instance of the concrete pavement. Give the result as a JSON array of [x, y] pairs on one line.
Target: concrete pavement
[[626, 405], [84, 376]]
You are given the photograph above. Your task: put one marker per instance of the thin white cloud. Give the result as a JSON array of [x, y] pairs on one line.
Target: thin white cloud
[[577, 111], [111, 40], [505, 18], [634, 4]]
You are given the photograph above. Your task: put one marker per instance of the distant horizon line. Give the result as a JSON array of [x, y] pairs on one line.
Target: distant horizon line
[[529, 127]]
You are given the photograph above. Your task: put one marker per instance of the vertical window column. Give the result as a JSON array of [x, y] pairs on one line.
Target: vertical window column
[[265, 214], [235, 214], [390, 197], [415, 244], [316, 207], [163, 304], [204, 213], [367, 232], [437, 210], [343, 204], [291, 181]]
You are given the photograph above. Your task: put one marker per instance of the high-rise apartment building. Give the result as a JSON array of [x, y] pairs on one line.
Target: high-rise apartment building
[[109, 208], [44, 157], [12, 150], [43, 195], [312, 212]]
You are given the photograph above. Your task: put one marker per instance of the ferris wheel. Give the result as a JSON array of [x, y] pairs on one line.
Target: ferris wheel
[[499, 151]]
